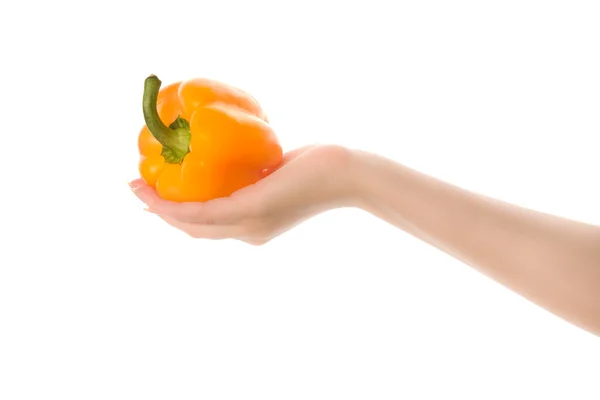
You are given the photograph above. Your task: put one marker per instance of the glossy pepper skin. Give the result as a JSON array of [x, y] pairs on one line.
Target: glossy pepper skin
[[203, 139]]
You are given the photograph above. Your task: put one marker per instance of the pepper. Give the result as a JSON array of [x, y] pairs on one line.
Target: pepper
[[217, 141]]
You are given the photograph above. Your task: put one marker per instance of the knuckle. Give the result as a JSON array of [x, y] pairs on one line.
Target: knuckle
[[210, 221]]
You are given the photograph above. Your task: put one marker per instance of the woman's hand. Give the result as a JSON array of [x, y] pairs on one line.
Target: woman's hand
[[310, 180]]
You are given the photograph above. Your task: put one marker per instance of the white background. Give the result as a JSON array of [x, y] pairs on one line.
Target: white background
[[100, 300]]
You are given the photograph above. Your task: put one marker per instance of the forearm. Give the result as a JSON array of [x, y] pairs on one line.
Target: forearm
[[552, 261]]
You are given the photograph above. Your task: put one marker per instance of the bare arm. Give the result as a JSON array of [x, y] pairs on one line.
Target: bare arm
[[552, 261]]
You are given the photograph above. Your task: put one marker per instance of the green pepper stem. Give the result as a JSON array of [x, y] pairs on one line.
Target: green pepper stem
[[176, 142]]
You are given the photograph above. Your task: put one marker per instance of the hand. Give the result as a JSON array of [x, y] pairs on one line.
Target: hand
[[309, 181]]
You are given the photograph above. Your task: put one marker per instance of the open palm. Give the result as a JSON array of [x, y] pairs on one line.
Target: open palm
[[308, 182]]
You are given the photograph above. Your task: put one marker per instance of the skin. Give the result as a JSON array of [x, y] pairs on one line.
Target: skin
[[552, 261]]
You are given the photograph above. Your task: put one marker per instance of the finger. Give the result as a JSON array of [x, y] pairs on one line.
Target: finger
[[198, 231], [136, 183], [213, 212]]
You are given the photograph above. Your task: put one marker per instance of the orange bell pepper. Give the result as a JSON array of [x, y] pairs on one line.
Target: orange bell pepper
[[218, 140]]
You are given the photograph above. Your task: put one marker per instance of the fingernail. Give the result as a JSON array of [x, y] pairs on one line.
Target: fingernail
[[135, 184]]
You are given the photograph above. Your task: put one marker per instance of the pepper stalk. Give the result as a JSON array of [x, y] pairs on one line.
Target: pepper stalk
[[174, 138]]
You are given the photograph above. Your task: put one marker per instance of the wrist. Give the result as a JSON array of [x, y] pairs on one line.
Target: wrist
[[334, 186], [353, 175], [376, 182], [352, 178], [361, 171]]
